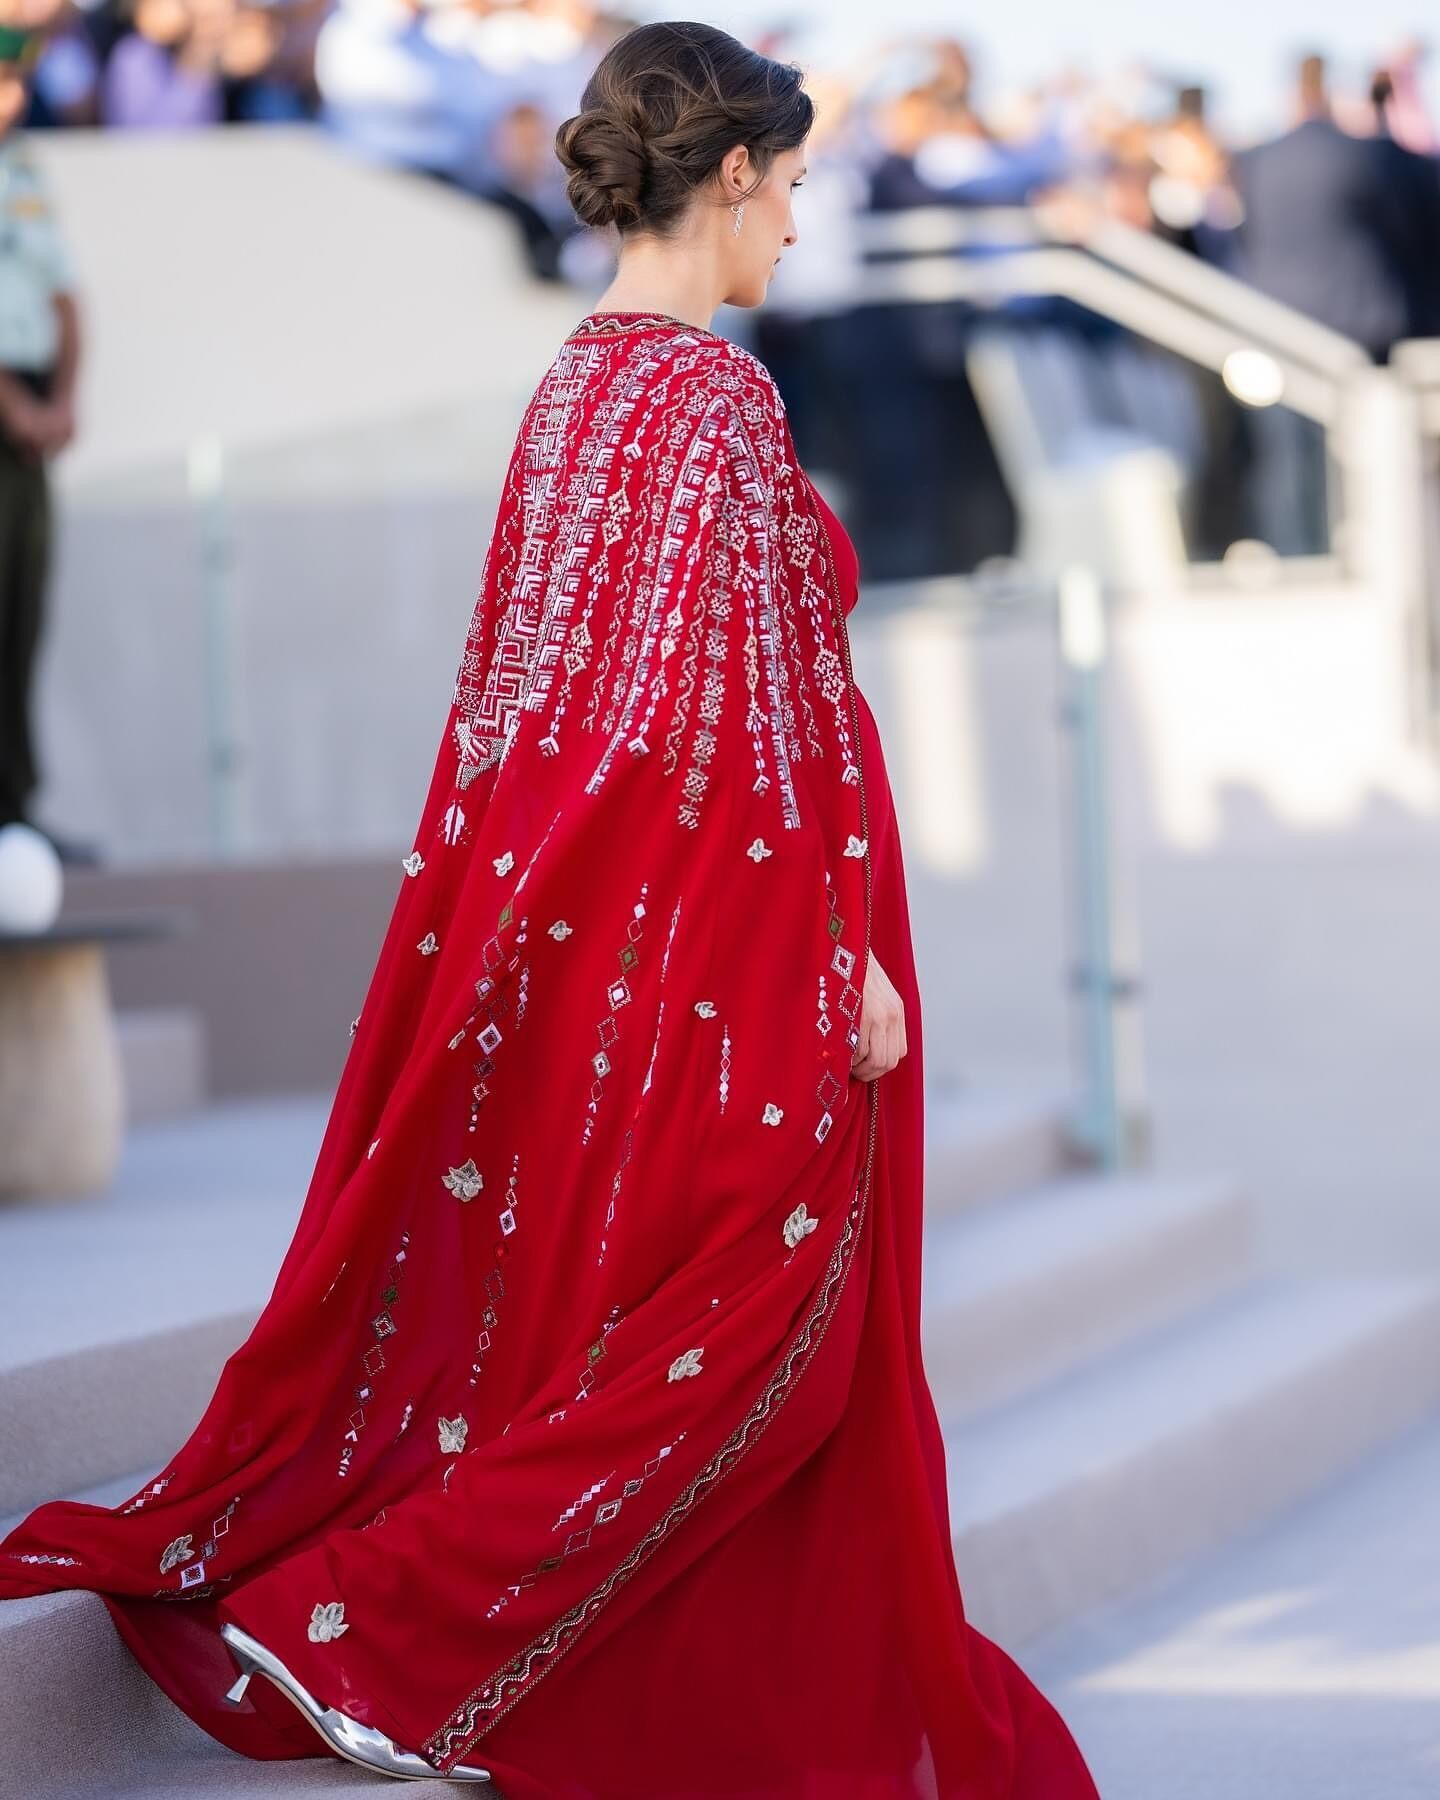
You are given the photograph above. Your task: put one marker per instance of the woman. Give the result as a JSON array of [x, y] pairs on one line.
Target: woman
[[595, 1356]]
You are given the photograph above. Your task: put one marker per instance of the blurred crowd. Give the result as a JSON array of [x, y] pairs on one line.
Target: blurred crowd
[[1336, 212]]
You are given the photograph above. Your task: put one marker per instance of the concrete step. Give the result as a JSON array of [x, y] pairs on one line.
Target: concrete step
[[80, 1719], [1020, 1288], [990, 1140], [122, 1307], [1180, 1439], [163, 1052]]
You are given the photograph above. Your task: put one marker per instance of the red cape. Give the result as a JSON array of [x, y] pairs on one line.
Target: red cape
[[602, 1308]]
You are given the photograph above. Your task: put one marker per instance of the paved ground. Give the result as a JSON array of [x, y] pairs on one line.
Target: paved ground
[[1303, 1664]]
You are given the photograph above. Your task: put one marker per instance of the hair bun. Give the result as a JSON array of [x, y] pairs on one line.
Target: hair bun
[[661, 109], [609, 164]]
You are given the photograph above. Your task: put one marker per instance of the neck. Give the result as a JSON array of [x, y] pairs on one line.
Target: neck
[[656, 278]]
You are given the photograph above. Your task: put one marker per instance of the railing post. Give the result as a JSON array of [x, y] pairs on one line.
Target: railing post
[[205, 478], [1111, 1122]]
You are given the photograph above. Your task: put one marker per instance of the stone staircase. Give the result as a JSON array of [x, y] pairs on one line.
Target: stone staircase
[[1120, 1389]]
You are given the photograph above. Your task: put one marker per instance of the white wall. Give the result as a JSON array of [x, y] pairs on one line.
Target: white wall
[[265, 286]]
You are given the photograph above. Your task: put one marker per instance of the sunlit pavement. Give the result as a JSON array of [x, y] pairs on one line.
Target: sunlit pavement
[[1304, 1662]]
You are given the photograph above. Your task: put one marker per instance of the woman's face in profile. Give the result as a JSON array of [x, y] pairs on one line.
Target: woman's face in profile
[[767, 229]]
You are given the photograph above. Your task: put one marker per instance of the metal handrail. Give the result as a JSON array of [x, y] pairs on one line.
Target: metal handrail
[[932, 230], [1161, 293]]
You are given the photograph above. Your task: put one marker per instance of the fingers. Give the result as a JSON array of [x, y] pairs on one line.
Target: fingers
[[882, 1044]]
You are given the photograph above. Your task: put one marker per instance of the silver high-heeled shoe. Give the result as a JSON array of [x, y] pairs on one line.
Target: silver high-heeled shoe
[[362, 1744]]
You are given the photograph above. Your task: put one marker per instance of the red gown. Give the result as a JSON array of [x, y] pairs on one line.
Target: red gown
[[596, 1352]]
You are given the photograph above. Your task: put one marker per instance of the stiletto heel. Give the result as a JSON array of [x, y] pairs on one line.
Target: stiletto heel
[[236, 1693], [362, 1744]]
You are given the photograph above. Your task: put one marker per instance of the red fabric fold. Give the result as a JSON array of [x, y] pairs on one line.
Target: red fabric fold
[[585, 1434]]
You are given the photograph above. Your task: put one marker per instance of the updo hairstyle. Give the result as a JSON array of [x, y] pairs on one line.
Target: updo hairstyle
[[664, 104]]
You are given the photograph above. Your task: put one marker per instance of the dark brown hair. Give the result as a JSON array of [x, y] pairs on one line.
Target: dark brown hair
[[664, 104]]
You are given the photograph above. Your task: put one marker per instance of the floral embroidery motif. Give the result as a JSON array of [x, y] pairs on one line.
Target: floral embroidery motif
[[705, 1008], [327, 1621], [560, 931], [466, 1181], [798, 1225], [504, 864], [177, 1552], [413, 863], [373, 1148], [759, 849], [452, 1434], [354, 1026], [856, 846], [429, 944], [772, 1114], [686, 1364]]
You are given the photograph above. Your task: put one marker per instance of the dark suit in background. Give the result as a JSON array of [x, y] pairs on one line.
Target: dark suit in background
[[1347, 230]]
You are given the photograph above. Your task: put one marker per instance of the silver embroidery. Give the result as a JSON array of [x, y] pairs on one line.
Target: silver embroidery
[[466, 1181], [798, 1225], [327, 1621], [686, 1364], [177, 1551]]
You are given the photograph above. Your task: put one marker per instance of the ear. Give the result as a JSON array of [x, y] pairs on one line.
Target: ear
[[736, 168]]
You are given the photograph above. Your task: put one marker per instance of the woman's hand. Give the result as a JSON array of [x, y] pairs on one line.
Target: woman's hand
[[882, 1025]]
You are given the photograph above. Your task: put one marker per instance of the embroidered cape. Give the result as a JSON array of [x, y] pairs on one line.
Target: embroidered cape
[[581, 1224]]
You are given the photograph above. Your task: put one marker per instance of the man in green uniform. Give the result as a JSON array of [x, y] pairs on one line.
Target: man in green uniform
[[39, 352]]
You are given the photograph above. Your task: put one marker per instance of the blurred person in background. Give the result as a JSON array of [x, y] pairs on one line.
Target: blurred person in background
[[1407, 116], [39, 356], [182, 64], [541, 52], [64, 83], [393, 90], [1192, 198], [1325, 230], [930, 498], [468, 92], [1412, 179], [268, 64], [165, 71]]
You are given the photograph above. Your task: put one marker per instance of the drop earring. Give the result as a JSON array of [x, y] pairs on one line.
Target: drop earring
[[738, 208]]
